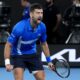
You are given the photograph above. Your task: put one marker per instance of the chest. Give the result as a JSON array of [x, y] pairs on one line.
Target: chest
[[30, 35]]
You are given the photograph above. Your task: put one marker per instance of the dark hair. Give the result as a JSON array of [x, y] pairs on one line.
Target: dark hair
[[35, 6]]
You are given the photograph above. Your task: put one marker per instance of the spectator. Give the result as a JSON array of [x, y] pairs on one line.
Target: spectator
[[52, 18], [26, 5]]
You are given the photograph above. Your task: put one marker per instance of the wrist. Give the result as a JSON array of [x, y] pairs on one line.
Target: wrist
[[48, 59], [7, 61]]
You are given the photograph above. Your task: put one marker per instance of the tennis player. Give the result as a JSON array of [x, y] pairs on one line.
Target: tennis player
[[21, 46]]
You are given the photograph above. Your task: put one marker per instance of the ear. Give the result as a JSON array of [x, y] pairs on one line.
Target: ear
[[31, 14]]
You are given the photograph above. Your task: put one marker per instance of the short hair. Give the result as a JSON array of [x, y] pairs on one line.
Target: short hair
[[35, 6]]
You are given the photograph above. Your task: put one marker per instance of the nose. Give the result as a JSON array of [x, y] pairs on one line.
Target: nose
[[41, 14]]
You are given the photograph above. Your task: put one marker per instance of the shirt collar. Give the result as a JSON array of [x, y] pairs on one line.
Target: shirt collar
[[30, 27]]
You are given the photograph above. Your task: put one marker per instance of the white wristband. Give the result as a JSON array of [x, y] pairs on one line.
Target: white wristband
[[7, 61]]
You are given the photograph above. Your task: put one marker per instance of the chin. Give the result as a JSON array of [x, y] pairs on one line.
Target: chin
[[38, 21]]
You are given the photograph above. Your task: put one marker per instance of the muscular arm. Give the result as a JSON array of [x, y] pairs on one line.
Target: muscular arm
[[45, 49], [47, 54], [7, 50]]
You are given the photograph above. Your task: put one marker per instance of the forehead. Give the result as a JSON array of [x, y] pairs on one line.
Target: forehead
[[38, 10]]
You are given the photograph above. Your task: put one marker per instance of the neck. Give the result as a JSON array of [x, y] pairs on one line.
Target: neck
[[33, 24]]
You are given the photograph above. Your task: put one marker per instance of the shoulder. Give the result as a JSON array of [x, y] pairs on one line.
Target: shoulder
[[19, 26], [42, 27], [19, 23]]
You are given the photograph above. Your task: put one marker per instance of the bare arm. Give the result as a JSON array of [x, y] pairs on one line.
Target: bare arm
[[7, 50], [45, 49], [59, 17]]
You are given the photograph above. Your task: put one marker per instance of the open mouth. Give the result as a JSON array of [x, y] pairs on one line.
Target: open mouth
[[39, 18]]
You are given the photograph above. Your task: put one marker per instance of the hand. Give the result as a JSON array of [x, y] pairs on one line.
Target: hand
[[9, 67], [51, 66]]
